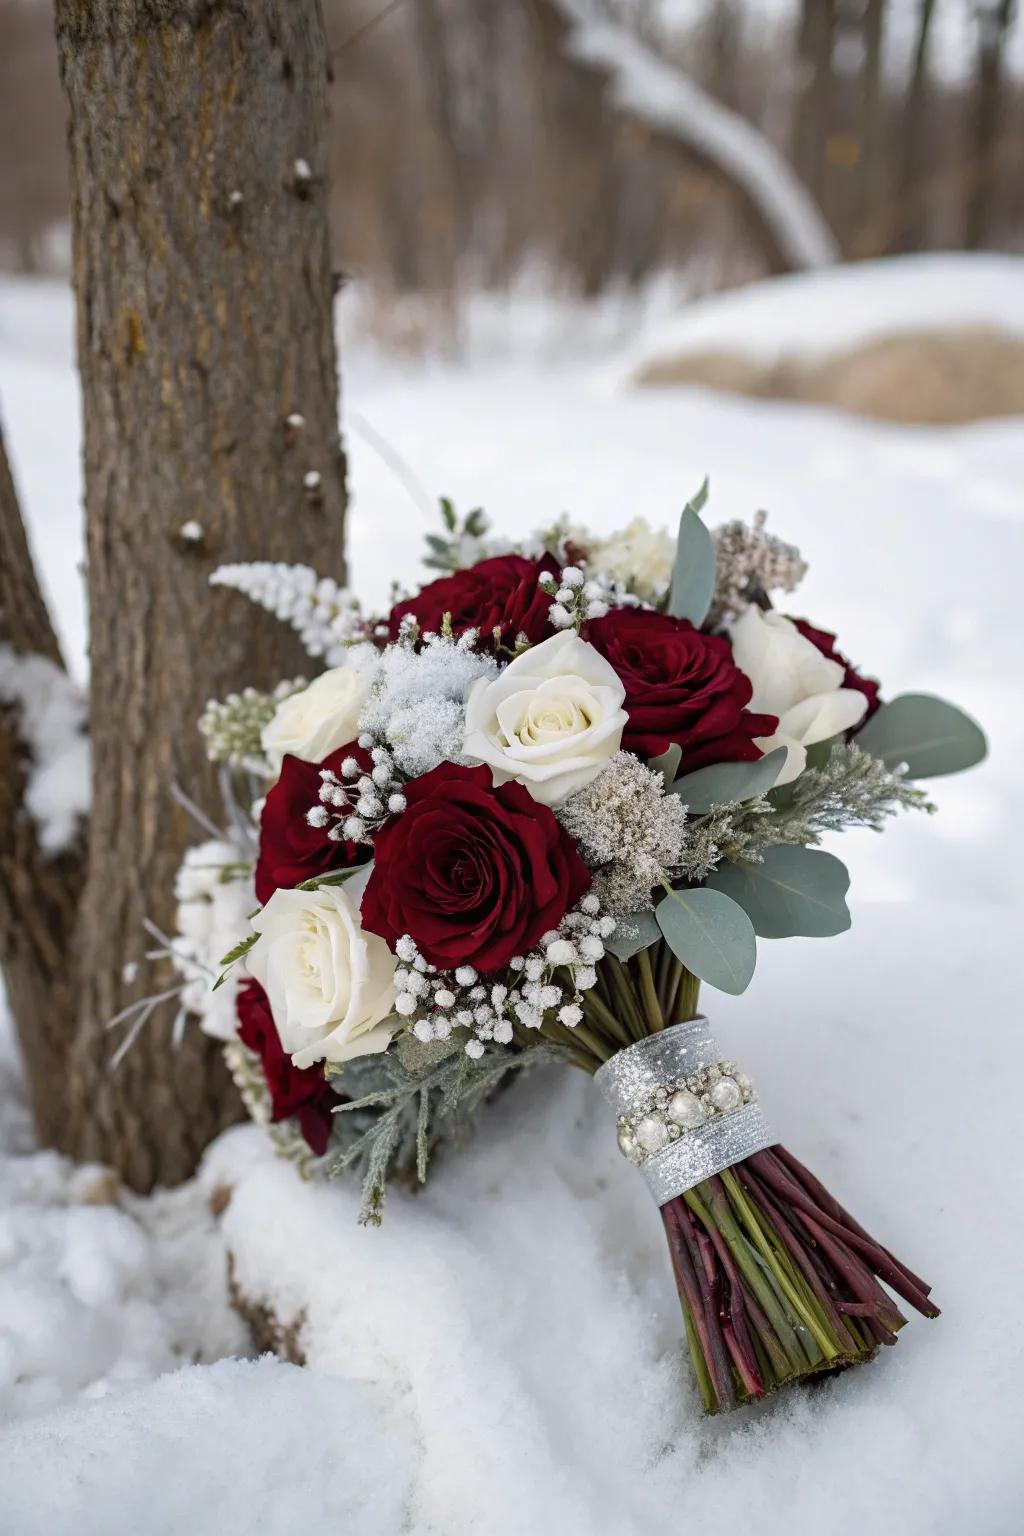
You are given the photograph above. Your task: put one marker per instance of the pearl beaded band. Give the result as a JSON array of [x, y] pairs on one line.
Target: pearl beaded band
[[683, 1114]]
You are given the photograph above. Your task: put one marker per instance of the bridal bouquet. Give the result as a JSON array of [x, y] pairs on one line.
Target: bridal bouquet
[[531, 811]]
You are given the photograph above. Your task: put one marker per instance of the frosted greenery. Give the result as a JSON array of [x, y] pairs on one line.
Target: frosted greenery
[[406, 1104], [851, 789]]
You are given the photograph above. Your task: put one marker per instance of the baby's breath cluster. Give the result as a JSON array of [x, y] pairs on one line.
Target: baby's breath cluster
[[579, 597], [232, 727], [354, 805], [326, 616], [415, 706], [548, 982]]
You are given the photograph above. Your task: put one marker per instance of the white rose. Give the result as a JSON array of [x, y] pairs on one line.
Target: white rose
[[550, 721], [331, 984], [794, 681], [318, 720]]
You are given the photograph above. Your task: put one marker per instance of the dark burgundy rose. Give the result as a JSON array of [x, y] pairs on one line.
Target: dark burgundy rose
[[497, 594], [292, 851], [681, 686], [474, 873], [299, 1093], [825, 642]]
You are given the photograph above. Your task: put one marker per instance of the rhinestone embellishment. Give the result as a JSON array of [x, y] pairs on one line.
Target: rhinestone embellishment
[[672, 1109]]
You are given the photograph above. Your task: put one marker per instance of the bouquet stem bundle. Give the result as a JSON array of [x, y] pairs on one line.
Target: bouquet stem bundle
[[777, 1282]]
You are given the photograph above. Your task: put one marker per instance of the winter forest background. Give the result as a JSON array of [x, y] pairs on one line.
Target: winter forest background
[[903, 118], [566, 256]]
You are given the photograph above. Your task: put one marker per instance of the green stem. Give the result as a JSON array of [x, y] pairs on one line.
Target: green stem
[[749, 1266], [598, 1013], [670, 985], [684, 1003], [648, 992], [794, 1291], [631, 1015], [700, 1365]]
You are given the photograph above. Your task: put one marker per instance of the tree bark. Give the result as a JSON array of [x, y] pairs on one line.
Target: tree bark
[[993, 19], [201, 268], [37, 894]]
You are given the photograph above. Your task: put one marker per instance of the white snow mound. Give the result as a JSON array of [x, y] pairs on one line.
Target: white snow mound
[[812, 314]]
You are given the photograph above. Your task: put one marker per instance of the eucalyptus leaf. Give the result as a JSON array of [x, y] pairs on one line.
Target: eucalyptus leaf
[[794, 891], [632, 934], [930, 736], [819, 752], [711, 935], [667, 764], [729, 783], [693, 576]]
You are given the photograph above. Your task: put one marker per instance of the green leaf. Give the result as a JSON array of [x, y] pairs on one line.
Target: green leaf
[[729, 783], [336, 877], [693, 577], [795, 891], [448, 514], [241, 948], [632, 934], [667, 764], [930, 736], [711, 935], [227, 961]]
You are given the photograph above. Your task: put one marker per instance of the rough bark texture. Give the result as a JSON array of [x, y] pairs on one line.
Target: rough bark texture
[[37, 895], [202, 274]]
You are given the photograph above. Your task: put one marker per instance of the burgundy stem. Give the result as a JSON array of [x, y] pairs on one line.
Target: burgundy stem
[[881, 1261], [830, 1205]]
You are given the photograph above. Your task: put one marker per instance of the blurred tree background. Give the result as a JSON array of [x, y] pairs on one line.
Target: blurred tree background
[[472, 146]]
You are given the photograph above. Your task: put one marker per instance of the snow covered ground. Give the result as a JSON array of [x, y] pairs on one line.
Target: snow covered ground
[[503, 1356]]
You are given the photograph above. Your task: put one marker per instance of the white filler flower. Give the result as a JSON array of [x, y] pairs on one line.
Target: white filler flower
[[793, 680], [331, 984], [318, 720], [550, 721], [639, 556]]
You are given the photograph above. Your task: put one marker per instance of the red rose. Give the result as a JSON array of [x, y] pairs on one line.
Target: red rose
[[825, 642], [681, 685], [292, 851], [497, 594], [475, 874], [302, 1093]]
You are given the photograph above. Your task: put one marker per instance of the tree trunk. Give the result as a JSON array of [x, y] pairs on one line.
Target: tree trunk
[[993, 19], [202, 274], [37, 895], [914, 232]]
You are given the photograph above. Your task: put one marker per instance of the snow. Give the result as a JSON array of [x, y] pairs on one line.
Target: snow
[[98, 1289], [658, 93], [504, 1354], [241, 1446], [814, 314], [52, 718]]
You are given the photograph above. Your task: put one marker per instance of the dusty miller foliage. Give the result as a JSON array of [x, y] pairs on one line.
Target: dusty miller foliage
[[851, 789], [405, 1104]]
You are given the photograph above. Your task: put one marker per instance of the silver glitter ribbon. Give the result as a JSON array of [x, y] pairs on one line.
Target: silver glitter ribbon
[[628, 1081]]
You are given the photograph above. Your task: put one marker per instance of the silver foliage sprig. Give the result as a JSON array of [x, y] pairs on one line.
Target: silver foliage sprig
[[851, 789], [413, 1099]]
